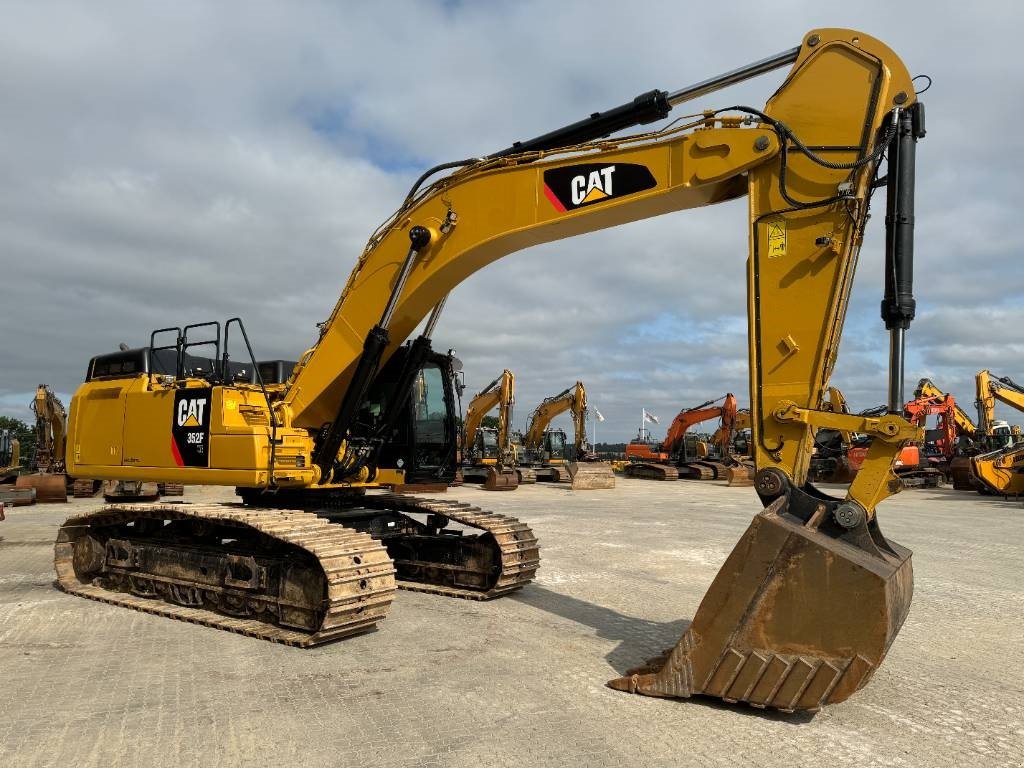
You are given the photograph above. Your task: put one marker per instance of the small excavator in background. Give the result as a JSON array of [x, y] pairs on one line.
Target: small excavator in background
[[46, 467], [999, 470], [10, 456], [806, 606], [686, 456], [545, 450], [487, 452], [10, 468]]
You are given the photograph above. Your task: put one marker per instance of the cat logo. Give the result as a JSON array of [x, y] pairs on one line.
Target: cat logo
[[190, 412], [576, 186], [595, 186], [190, 427]]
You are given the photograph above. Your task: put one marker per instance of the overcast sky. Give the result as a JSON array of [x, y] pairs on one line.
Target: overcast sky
[[171, 163]]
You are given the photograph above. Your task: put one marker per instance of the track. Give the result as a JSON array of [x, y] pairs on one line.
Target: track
[[291, 576], [279, 575], [511, 562], [650, 471]]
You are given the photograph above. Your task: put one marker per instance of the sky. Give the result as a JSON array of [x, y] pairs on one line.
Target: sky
[[164, 164]]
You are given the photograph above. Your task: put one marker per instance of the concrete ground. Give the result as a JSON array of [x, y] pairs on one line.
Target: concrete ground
[[520, 681]]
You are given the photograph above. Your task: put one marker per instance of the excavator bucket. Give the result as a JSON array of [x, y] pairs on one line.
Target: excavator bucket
[[800, 616], [740, 474], [501, 480], [50, 489], [130, 490], [526, 475], [591, 475], [961, 474]]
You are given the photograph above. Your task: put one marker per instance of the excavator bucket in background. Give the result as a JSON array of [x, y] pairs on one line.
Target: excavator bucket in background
[[740, 474], [773, 630], [526, 475], [501, 480], [50, 489], [591, 475], [130, 490], [961, 474]]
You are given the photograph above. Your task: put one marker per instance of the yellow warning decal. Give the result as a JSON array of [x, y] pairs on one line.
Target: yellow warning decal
[[776, 237]]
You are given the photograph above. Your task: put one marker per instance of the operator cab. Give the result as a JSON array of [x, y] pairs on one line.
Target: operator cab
[[425, 435], [486, 443], [554, 445]]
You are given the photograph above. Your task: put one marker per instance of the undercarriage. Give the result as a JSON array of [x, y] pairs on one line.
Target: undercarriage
[[289, 575]]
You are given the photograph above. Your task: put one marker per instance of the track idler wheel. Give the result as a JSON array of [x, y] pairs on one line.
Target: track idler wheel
[[501, 480], [800, 615]]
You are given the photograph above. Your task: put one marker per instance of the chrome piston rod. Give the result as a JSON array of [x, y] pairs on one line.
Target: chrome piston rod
[[779, 60], [897, 344]]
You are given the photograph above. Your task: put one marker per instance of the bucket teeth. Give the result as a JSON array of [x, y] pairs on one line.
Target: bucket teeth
[[768, 633]]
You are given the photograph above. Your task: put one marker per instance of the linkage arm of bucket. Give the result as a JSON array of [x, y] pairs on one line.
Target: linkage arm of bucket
[[890, 433]]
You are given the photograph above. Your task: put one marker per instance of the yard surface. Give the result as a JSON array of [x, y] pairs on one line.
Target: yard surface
[[520, 681]]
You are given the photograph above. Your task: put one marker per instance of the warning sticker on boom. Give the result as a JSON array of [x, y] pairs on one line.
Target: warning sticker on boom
[[190, 431], [776, 237]]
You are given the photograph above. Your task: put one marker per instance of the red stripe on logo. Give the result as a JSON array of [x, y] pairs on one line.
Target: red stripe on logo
[[176, 453], [554, 200]]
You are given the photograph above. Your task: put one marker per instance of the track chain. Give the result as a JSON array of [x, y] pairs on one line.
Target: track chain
[[520, 554], [358, 573]]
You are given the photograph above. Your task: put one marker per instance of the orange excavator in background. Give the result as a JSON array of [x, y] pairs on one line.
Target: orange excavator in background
[[487, 452], [941, 445], [678, 455], [960, 437]]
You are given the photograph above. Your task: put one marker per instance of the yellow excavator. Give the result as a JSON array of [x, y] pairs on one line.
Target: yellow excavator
[[545, 450], [1000, 470], [10, 456], [487, 453], [804, 609], [47, 466]]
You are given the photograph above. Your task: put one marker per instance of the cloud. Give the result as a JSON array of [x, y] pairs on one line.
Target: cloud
[[165, 165]]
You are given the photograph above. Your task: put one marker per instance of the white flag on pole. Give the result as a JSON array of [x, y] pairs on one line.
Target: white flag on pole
[[650, 417], [597, 415]]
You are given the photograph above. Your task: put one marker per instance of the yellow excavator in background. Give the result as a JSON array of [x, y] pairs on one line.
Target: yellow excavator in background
[[1000, 469], [734, 442], [804, 609], [545, 450], [46, 474], [10, 456], [487, 453]]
